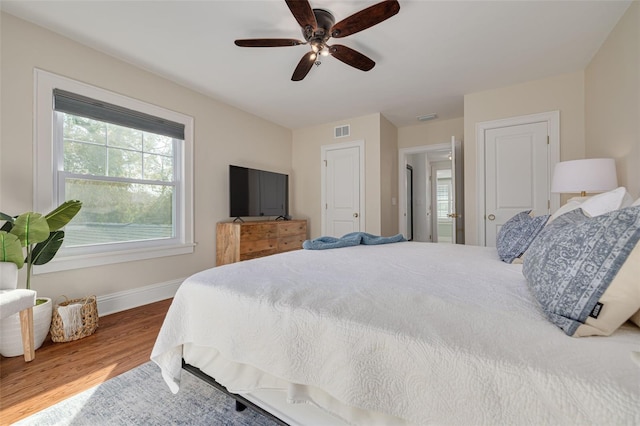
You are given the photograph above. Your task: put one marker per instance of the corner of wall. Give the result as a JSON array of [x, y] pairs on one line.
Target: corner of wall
[[612, 100]]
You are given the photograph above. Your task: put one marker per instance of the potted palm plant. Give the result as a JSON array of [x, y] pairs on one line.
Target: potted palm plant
[[31, 239]]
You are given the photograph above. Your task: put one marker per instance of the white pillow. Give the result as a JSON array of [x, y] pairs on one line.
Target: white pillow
[[636, 202], [597, 205], [571, 205]]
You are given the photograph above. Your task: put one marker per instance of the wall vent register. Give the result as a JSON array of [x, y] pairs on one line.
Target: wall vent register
[[342, 131]]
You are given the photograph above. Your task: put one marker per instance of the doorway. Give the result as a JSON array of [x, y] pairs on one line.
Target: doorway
[[442, 198], [418, 193], [409, 204]]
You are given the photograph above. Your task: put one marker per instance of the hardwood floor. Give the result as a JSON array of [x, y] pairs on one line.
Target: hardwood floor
[[122, 341]]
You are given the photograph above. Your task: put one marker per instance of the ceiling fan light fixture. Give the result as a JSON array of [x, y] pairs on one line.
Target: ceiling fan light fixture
[[319, 25]]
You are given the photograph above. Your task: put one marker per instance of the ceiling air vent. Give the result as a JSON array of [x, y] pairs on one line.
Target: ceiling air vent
[[342, 131]]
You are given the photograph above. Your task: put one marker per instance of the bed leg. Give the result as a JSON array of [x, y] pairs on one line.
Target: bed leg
[[240, 406]]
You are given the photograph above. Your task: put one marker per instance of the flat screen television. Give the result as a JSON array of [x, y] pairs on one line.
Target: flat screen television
[[255, 192]]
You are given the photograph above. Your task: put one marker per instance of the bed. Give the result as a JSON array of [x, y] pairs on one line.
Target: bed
[[402, 333]]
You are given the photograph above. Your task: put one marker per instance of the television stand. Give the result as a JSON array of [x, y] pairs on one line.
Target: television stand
[[283, 218], [237, 241], [238, 219]]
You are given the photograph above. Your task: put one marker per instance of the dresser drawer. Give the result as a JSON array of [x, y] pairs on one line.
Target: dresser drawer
[[262, 231], [293, 228], [258, 246], [293, 242]]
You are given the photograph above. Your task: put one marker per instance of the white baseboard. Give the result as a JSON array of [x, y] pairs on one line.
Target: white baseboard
[[128, 299]]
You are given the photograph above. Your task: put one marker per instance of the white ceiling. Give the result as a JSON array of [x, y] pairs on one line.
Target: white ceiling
[[427, 56]]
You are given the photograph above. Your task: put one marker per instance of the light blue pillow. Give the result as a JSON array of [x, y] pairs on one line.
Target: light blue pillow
[[517, 234], [571, 264]]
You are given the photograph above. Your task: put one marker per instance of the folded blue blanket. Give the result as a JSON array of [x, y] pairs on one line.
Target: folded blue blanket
[[348, 240]]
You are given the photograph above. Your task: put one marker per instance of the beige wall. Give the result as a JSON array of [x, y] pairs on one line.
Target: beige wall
[[612, 92], [563, 92], [223, 135], [382, 141], [377, 134], [431, 133], [434, 133]]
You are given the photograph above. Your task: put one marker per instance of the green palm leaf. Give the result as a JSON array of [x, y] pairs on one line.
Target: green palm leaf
[[30, 228], [46, 250], [4, 216], [9, 222], [63, 214], [11, 249]]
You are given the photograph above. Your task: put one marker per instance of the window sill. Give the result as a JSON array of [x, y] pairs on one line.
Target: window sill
[[64, 263]]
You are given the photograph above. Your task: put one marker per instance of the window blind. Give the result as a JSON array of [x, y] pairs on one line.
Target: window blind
[[73, 103]]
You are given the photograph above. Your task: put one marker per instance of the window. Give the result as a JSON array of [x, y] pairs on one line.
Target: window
[[127, 161], [443, 195]]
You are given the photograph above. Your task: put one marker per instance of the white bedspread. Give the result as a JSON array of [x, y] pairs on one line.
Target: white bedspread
[[431, 333]]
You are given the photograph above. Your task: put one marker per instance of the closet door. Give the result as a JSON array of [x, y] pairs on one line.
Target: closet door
[[516, 174]]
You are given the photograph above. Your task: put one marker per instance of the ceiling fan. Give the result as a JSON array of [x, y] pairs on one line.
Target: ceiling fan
[[318, 26]]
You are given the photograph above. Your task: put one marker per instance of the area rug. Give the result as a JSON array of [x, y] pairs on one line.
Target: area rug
[[141, 397]]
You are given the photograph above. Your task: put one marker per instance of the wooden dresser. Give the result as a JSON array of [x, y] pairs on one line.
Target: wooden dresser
[[236, 241]]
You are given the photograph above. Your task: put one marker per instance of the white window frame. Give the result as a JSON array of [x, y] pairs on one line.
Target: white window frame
[[46, 177]]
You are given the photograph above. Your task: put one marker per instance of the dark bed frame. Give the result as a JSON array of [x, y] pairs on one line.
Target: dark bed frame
[[241, 402]]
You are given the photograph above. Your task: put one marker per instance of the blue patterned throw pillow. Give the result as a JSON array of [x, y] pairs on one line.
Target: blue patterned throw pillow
[[585, 271], [517, 234]]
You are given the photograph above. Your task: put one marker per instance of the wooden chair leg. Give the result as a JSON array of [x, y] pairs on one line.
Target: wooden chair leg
[[26, 326]]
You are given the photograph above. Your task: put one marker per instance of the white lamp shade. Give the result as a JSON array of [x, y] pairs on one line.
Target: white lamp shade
[[589, 175]]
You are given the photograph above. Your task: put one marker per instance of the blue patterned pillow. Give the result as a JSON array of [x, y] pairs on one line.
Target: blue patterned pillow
[[517, 234], [584, 271]]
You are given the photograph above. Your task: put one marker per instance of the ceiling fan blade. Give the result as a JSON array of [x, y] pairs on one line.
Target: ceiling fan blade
[[268, 42], [304, 66], [351, 57], [365, 18], [303, 13]]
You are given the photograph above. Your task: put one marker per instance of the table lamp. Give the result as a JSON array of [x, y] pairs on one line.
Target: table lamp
[[590, 175]]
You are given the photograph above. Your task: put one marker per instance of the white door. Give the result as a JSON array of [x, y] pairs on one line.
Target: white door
[[454, 169], [343, 192], [516, 174]]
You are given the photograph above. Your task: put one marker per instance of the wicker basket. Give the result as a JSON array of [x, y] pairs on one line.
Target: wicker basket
[[89, 313]]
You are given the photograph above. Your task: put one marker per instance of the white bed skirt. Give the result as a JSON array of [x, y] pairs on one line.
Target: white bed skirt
[[244, 379]]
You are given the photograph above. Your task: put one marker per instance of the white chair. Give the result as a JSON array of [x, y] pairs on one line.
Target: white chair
[[14, 300]]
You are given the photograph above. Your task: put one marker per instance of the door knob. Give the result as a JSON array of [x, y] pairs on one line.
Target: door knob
[[355, 215], [453, 215], [491, 217]]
